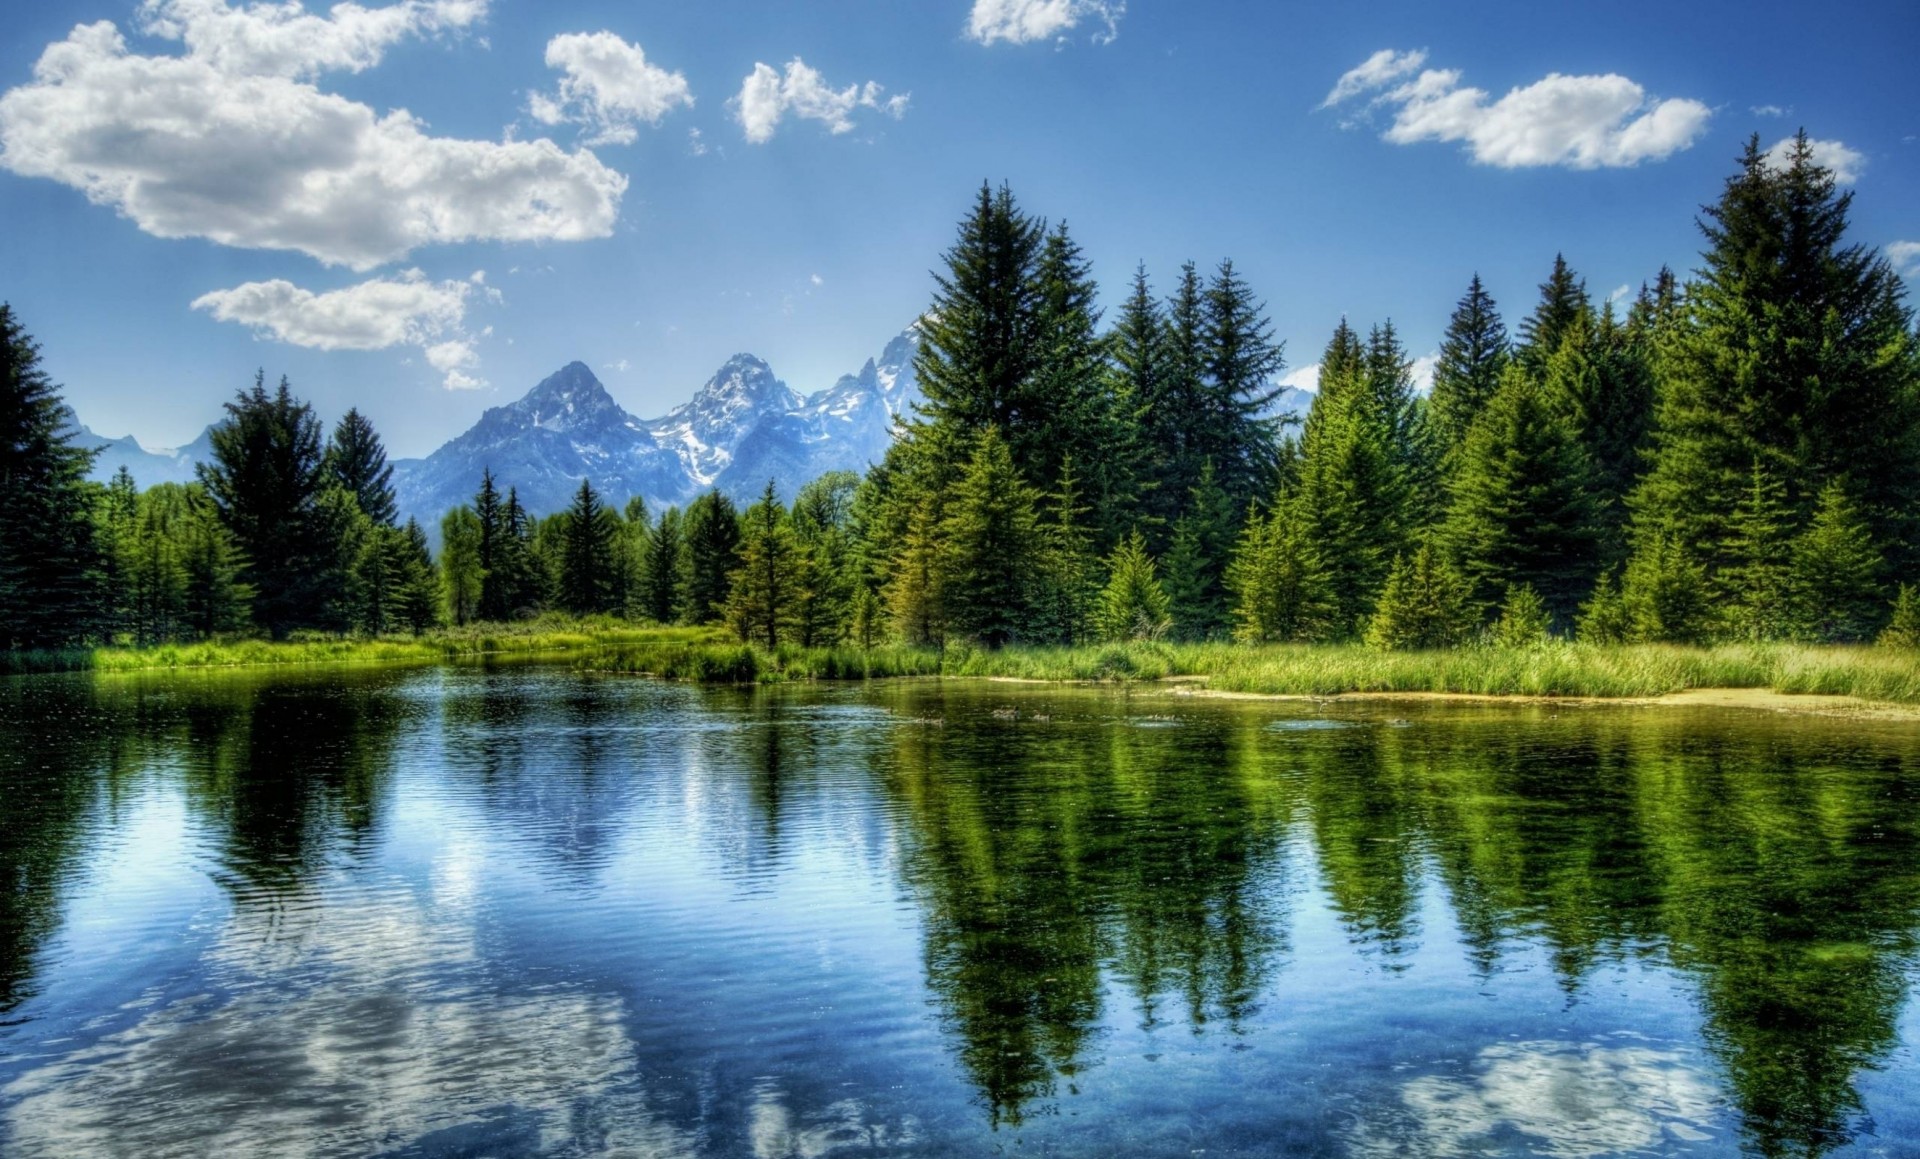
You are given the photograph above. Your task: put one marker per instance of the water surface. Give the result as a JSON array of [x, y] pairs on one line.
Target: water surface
[[522, 911]]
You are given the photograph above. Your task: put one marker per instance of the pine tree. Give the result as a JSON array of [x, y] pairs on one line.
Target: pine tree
[[1240, 362], [992, 547], [358, 462], [521, 574], [822, 519], [1903, 629], [1604, 618], [1835, 574], [216, 596], [1600, 381], [417, 593], [1389, 379], [1665, 595], [155, 573], [1756, 582], [1522, 502], [1524, 621], [266, 479], [1133, 606], [1064, 605], [588, 573], [1563, 303], [1280, 586], [1797, 349], [1143, 368], [1203, 541], [462, 579], [770, 585], [1069, 409], [663, 578], [48, 559], [1425, 605], [711, 530], [1175, 419], [917, 590], [116, 542], [496, 601], [1473, 354]]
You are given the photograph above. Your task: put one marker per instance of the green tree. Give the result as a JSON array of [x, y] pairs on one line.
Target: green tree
[[993, 547], [48, 559], [1279, 583], [462, 577], [1473, 354], [1240, 361], [1133, 606], [663, 582], [1424, 606], [1835, 574], [1524, 620], [1665, 595], [417, 597], [1081, 421], [1604, 618], [1756, 582], [1197, 560], [116, 542], [917, 589], [266, 479], [712, 534], [1903, 629], [1563, 304], [822, 518], [1140, 346], [358, 463], [770, 586], [589, 570]]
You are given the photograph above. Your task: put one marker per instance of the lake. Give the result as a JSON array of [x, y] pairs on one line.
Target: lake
[[522, 911]]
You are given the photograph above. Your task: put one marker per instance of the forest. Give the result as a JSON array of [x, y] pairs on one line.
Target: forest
[[1733, 457]]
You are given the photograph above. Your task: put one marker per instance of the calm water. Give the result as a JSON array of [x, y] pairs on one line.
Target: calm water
[[527, 912]]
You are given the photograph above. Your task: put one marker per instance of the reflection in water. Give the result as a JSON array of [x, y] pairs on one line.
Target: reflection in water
[[528, 912]]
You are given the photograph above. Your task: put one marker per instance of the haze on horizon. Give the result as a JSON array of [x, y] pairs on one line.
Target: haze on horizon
[[422, 208]]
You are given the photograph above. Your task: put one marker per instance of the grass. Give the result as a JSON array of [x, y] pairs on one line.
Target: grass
[[707, 655]]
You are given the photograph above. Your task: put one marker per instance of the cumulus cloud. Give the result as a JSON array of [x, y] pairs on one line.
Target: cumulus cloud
[[768, 95], [1905, 256], [231, 143], [609, 86], [1846, 164], [1025, 21], [1580, 122], [405, 310]]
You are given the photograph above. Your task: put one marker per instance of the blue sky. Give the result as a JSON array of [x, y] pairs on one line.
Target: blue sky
[[422, 208]]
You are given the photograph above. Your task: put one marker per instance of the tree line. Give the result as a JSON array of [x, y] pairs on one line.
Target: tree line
[[1732, 457]]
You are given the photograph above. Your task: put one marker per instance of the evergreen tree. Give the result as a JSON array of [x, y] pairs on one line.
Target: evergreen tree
[[822, 519], [1563, 303], [1600, 381], [417, 595], [217, 599], [917, 590], [1240, 360], [712, 533], [992, 545], [496, 600], [520, 576], [1797, 349], [1133, 606], [1903, 630], [868, 617], [1665, 595], [462, 578], [630, 556], [1524, 621], [358, 463], [1071, 406], [1756, 582], [266, 479], [116, 543], [1522, 503], [770, 585], [1203, 541], [1176, 417], [1066, 587], [589, 569], [153, 565], [1473, 354], [663, 578], [1604, 618], [1835, 576], [1425, 605], [1142, 354], [48, 559], [1389, 379], [1280, 586]]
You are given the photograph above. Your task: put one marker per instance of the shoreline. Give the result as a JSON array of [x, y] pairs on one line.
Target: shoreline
[[1749, 699]]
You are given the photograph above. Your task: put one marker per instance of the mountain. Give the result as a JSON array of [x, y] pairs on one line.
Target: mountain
[[567, 428], [743, 427], [148, 468]]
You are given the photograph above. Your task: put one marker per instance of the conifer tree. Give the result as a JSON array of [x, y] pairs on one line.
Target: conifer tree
[[520, 573], [492, 552], [1524, 621], [1604, 618], [1240, 361], [1067, 585], [992, 545], [1563, 303], [1473, 354], [1835, 574], [48, 559], [215, 597], [417, 595], [1522, 503], [822, 519], [1280, 586], [916, 592], [1665, 595], [154, 570], [1797, 349], [1133, 606], [1756, 582], [1142, 365], [769, 587], [358, 462], [1175, 419], [116, 541], [461, 575], [711, 529], [1070, 409], [267, 478], [663, 578], [1425, 605], [1599, 380], [588, 572], [1903, 629], [1389, 378], [1197, 560]]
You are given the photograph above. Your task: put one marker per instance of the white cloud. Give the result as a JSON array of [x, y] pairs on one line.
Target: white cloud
[[1905, 256], [609, 87], [767, 95], [817, 280], [1422, 370], [1845, 163], [1581, 122], [1302, 378], [696, 144], [1377, 71], [228, 143], [405, 310], [1025, 21], [1768, 111]]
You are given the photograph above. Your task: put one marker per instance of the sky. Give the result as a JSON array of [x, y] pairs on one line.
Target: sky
[[421, 208]]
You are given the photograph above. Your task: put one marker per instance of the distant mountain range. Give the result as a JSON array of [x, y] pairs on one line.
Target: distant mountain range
[[741, 429]]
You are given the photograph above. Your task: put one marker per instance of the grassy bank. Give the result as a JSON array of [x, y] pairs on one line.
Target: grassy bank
[[554, 636]]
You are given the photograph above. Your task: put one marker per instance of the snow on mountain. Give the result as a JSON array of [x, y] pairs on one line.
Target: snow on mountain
[[705, 430], [148, 468], [567, 428]]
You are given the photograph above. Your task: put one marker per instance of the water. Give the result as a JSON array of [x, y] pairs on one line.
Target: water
[[522, 912]]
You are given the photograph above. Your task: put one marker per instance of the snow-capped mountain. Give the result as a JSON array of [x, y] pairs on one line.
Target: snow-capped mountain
[[148, 468], [739, 430]]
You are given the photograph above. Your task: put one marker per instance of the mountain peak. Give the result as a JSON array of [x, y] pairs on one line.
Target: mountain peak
[[569, 398]]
